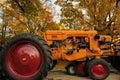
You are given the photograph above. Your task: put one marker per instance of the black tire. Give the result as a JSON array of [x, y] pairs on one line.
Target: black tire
[[80, 69], [70, 69], [115, 62], [95, 71], [54, 64], [2, 76], [39, 44]]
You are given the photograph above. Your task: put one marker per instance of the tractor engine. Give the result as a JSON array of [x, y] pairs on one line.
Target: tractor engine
[[73, 45]]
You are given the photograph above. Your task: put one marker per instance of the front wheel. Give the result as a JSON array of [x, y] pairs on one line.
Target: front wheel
[[71, 69], [98, 69], [26, 57]]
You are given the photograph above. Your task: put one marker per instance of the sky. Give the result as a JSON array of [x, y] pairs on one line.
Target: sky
[[1, 1], [0, 15], [55, 9]]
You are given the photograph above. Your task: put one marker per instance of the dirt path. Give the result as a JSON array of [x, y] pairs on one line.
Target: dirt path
[[61, 75]]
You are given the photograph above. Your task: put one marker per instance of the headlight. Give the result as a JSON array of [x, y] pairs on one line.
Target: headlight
[[97, 36]]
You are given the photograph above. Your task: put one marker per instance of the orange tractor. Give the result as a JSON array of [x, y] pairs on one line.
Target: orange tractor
[[30, 57]]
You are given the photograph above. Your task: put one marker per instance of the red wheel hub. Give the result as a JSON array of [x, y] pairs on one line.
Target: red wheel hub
[[99, 70], [81, 67], [24, 59]]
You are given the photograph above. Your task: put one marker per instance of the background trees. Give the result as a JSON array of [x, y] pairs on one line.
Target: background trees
[[20, 16], [33, 16], [101, 15]]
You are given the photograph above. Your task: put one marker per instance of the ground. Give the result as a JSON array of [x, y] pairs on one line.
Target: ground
[[59, 73]]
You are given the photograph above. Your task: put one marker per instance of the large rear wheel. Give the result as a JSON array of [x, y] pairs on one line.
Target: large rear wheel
[[2, 76], [26, 57]]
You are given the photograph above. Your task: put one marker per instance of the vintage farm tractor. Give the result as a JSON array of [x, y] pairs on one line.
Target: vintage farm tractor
[[30, 57]]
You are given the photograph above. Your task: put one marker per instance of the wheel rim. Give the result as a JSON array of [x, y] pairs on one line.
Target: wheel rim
[[80, 68], [24, 59], [99, 70], [71, 70]]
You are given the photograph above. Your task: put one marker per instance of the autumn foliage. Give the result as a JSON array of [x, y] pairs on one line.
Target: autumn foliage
[[20, 16], [101, 15]]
